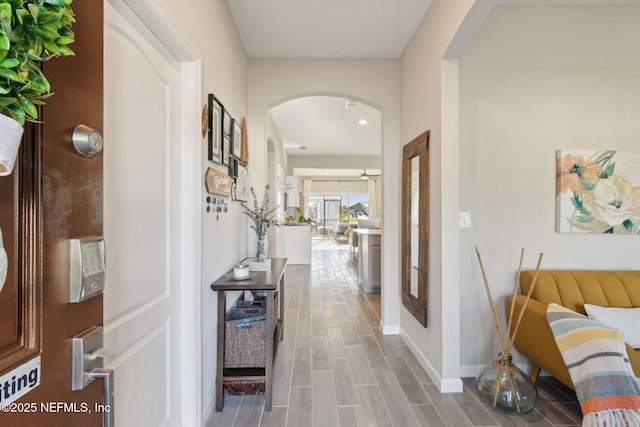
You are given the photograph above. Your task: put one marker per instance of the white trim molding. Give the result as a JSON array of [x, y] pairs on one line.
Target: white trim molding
[[158, 18], [445, 385], [390, 329]]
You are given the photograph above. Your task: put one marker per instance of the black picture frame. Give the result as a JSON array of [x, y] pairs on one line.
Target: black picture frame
[[227, 122], [226, 149], [233, 167], [215, 125], [236, 139]]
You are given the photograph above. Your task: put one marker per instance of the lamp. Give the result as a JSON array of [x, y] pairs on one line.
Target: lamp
[[364, 174]]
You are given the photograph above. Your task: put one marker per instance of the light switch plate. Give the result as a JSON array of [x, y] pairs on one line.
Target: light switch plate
[[465, 219]]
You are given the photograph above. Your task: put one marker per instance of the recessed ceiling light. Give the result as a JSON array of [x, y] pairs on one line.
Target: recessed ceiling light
[[362, 122], [327, 173]]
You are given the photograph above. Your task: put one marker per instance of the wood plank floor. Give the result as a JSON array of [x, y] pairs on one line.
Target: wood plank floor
[[335, 368]]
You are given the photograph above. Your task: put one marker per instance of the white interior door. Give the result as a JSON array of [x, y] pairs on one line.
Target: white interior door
[[141, 223]]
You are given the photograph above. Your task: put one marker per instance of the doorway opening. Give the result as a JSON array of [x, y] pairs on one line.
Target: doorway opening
[[335, 213]]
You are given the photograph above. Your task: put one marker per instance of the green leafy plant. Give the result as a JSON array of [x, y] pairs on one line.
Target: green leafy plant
[[31, 31], [302, 219], [262, 216]]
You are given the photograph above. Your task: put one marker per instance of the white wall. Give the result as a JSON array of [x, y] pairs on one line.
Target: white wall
[[280, 152], [534, 80], [334, 162], [342, 186], [438, 345], [276, 163], [210, 28], [375, 82]]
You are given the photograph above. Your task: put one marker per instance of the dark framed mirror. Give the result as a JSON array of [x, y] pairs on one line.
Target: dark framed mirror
[[415, 226]]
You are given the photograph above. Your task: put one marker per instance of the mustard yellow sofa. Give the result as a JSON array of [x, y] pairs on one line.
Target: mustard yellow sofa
[[571, 289]]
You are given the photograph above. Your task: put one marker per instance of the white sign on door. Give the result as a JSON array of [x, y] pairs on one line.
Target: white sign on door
[[20, 381]]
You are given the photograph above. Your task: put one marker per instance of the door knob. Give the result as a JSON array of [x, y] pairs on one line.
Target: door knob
[[106, 375], [86, 140], [88, 365]]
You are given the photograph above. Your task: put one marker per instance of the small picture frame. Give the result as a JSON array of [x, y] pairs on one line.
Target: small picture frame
[[233, 167], [226, 149], [234, 191], [227, 122], [242, 192], [237, 139], [214, 141]]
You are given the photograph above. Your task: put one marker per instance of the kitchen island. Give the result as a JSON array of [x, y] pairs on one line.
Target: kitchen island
[[369, 254], [297, 243]]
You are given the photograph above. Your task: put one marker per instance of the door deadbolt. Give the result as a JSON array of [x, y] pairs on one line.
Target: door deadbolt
[[87, 140]]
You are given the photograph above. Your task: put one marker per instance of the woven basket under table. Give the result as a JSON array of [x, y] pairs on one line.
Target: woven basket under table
[[244, 334]]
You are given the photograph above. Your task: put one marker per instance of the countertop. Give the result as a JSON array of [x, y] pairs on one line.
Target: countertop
[[368, 231]]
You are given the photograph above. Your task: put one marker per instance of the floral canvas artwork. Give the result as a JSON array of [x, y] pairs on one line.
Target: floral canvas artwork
[[597, 192]]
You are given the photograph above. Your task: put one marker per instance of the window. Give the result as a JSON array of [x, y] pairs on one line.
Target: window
[[334, 213]]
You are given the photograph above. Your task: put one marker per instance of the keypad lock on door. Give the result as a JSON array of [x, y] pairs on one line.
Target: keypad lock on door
[[87, 268]]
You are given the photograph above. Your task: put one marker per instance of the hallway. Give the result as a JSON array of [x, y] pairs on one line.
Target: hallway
[[335, 368]]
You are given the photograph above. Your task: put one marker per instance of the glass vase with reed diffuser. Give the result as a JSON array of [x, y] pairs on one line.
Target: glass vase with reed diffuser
[[505, 387], [501, 383]]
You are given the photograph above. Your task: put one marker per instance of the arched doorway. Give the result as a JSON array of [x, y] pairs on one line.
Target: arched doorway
[[330, 147]]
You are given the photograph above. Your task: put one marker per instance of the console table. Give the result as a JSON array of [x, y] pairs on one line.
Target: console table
[[269, 281]]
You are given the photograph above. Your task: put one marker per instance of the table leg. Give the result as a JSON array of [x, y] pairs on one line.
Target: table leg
[[282, 307], [268, 369], [220, 358]]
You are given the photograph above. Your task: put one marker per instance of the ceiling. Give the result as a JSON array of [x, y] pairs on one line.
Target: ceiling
[[328, 126], [326, 28], [344, 28]]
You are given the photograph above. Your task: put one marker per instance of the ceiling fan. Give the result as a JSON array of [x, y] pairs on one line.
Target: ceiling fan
[[365, 175]]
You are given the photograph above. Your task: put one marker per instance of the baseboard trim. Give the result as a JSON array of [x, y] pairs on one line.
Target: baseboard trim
[[208, 407], [451, 385], [444, 385], [390, 329]]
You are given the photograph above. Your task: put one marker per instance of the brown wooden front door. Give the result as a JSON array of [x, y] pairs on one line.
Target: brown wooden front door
[[53, 195]]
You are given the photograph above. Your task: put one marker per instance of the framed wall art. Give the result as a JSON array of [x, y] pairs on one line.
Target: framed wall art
[[226, 149], [214, 141], [233, 167], [236, 138], [597, 191], [227, 122], [242, 192]]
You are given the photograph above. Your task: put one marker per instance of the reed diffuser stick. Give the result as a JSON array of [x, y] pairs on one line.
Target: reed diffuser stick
[[524, 305], [515, 292], [496, 322]]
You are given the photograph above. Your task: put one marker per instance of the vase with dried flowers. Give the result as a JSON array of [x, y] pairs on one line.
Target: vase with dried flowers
[[502, 384], [262, 218]]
